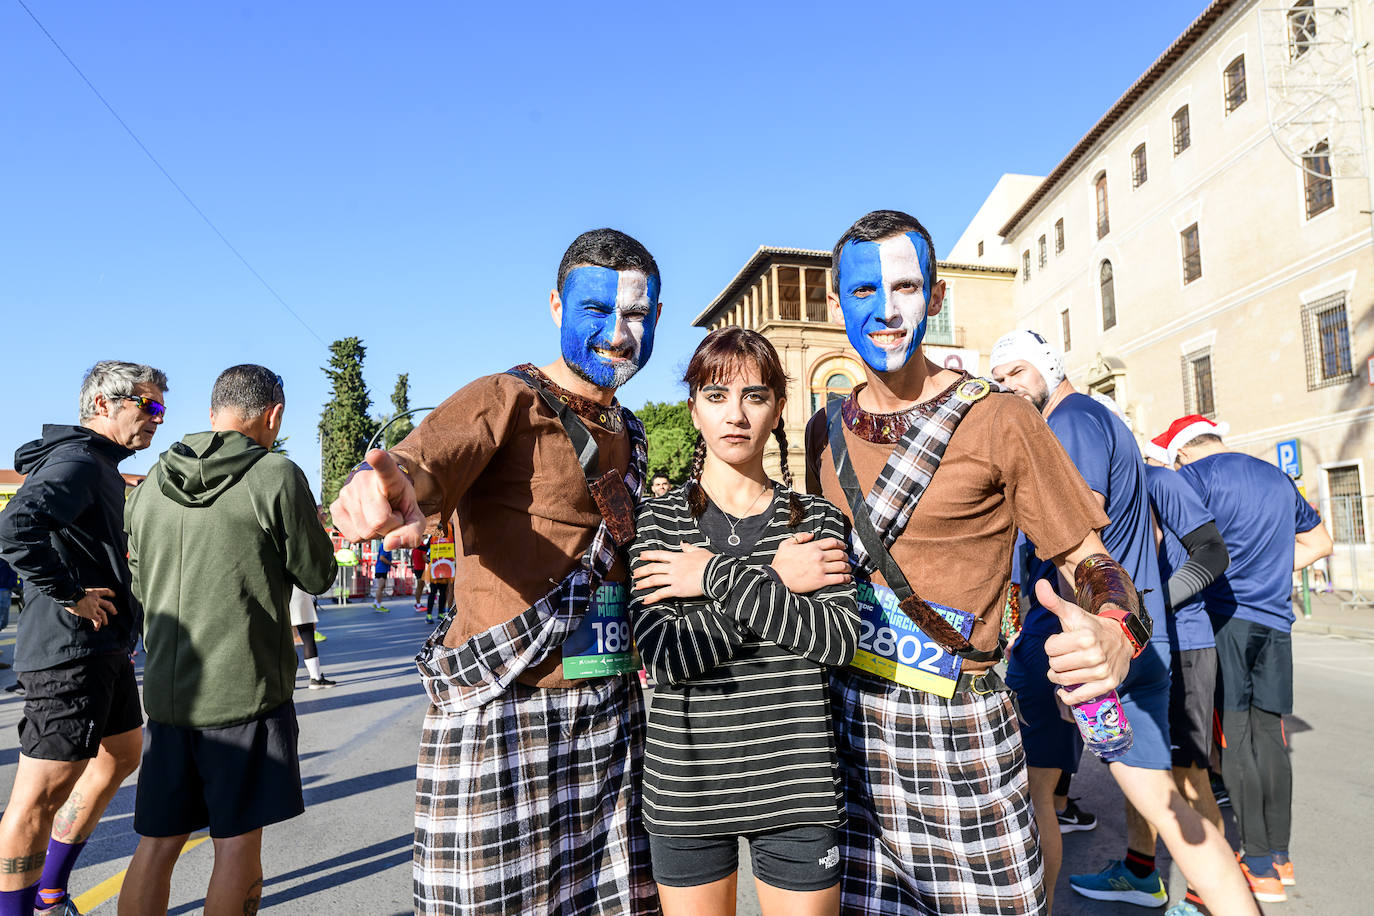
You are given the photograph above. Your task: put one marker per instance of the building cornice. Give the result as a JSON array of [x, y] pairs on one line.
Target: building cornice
[[1190, 37]]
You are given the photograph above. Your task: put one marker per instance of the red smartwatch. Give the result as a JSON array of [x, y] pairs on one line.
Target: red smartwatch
[[1138, 626]]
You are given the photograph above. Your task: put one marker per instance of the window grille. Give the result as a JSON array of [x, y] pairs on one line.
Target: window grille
[[1058, 236], [1347, 504], [1108, 287], [1182, 134], [1192, 254], [1326, 342], [1234, 78], [1197, 384], [1318, 191], [1139, 173]]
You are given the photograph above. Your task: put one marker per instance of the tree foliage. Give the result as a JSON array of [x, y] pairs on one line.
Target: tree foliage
[[400, 400], [671, 438], [345, 427], [279, 446]]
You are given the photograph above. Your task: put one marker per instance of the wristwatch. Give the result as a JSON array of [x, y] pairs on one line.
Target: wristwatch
[[1137, 626]]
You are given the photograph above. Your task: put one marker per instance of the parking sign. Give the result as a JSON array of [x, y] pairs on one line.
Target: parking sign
[[1290, 457]]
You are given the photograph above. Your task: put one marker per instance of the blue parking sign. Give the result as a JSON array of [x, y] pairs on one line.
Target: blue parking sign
[[1290, 457]]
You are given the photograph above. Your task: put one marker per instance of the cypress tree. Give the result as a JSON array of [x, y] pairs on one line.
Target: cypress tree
[[345, 427], [400, 400]]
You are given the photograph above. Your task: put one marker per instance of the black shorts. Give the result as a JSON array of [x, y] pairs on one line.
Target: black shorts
[[1254, 666], [1191, 696], [232, 779], [803, 858], [69, 709]]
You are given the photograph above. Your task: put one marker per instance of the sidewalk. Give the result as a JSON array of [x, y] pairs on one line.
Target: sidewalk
[[1330, 618]]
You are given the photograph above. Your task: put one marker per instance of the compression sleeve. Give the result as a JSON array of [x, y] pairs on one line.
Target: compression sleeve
[[1208, 558]]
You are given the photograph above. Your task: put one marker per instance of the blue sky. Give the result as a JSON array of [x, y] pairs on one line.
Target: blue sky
[[411, 172]]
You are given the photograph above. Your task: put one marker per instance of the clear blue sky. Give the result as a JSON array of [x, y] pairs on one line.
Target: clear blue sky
[[411, 172]]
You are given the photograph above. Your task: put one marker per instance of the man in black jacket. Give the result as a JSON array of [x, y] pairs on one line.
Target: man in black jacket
[[81, 733]]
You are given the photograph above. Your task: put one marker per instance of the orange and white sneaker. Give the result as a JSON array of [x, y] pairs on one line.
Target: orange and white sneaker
[[1264, 888], [1286, 873]]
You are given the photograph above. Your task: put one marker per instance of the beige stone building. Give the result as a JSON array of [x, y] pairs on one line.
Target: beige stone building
[[1206, 247], [781, 293]]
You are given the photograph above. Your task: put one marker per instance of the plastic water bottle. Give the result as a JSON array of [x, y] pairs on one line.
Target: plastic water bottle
[[1103, 724]]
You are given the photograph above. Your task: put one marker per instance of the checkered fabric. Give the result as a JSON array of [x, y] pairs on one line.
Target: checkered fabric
[[909, 468], [474, 673], [938, 808], [530, 804]]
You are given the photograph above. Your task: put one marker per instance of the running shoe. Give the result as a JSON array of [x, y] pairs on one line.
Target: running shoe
[[1183, 908], [1285, 871], [1219, 792], [1115, 882], [1074, 818], [320, 637], [63, 907], [419, 608], [379, 609], [321, 683], [429, 618], [1265, 888]]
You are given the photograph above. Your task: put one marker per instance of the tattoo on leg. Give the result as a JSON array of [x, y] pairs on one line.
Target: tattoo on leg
[[254, 899], [65, 820], [21, 864]]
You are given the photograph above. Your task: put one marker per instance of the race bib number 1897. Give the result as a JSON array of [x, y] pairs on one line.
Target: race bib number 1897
[[601, 645], [893, 647]]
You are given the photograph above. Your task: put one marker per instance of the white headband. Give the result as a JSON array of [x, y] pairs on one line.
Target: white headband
[[1035, 350]]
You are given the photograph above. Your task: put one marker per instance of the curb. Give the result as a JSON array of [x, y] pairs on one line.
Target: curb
[[1320, 627]]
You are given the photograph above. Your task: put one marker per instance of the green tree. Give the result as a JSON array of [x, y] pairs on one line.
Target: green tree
[[400, 399], [345, 427], [279, 446], [672, 438]]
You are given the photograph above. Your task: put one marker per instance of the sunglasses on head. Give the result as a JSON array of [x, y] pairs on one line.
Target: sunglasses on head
[[147, 405]]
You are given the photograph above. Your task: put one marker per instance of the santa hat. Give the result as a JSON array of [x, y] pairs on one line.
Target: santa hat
[[1157, 450], [1186, 429], [1035, 350]]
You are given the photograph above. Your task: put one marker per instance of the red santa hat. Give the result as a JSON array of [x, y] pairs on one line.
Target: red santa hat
[[1186, 429], [1157, 449]]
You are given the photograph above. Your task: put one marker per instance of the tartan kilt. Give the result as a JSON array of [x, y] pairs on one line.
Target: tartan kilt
[[937, 802], [531, 804]]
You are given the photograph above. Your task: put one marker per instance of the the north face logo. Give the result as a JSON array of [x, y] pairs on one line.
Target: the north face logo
[[831, 858]]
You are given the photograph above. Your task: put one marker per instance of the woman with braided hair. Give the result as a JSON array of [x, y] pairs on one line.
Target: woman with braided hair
[[742, 601]]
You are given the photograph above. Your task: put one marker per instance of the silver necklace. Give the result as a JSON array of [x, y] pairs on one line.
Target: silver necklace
[[733, 539]]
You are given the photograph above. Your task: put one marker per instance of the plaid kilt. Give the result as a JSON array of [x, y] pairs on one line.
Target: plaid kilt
[[531, 804], [937, 802]]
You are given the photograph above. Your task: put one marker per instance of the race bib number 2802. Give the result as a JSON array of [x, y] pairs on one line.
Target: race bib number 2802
[[601, 645], [893, 647]]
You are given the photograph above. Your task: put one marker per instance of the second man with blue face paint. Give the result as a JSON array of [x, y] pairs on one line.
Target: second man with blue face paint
[[534, 672]]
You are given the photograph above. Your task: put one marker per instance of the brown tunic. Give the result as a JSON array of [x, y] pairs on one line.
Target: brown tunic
[[524, 515], [1003, 470]]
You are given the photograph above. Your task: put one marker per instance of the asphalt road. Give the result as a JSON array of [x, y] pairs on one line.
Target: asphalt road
[[350, 852]]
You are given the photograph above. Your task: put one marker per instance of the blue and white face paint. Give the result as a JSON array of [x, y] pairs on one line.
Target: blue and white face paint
[[607, 324], [885, 297]]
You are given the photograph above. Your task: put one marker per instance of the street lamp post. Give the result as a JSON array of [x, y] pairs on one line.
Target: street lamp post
[[387, 425]]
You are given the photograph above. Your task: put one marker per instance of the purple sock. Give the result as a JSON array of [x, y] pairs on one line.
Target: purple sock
[[52, 885], [20, 902]]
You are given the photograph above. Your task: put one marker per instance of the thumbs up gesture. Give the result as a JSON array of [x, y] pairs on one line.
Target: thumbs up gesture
[[380, 503], [1091, 656]]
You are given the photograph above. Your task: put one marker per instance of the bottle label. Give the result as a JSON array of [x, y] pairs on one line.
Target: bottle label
[[1103, 724], [893, 647], [601, 644]]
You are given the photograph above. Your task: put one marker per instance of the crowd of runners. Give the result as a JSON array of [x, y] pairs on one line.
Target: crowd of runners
[[827, 652]]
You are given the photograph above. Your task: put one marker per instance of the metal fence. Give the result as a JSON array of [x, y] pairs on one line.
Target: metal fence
[[1349, 571]]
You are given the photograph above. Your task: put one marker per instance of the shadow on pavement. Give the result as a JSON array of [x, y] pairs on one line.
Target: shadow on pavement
[[318, 795], [352, 700]]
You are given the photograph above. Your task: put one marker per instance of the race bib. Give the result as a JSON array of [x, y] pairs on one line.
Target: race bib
[[893, 647], [601, 644]]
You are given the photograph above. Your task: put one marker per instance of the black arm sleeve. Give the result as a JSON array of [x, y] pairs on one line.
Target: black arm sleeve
[[1207, 559]]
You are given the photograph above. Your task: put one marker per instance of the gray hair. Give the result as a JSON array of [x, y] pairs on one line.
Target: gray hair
[[113, 379], [249, 390]]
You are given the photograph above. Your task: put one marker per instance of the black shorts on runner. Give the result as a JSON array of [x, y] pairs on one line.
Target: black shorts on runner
[[70, 708], [1191, 697], [232, 779], [1254, 666], [805, 858]]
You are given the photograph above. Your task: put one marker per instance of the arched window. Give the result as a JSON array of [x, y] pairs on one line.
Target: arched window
[[1100, 185], [1108, 297]]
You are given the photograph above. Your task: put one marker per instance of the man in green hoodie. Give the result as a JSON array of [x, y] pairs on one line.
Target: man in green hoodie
[[218, 534]]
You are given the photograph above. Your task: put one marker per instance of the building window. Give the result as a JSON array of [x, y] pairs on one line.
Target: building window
[[1326, 342], [1108, 296], [1059, 236], [1197, 384], [1044, 252], [815, 295], [789, 293], [1192, 254], [1302, 29], [940, 329], [1234, 78], [1025, 266], [980, 249], [1064, 329], [1183, 137], [1347, 504], [1103, 225], [833, 378], [1138, 171], [1318, 191]]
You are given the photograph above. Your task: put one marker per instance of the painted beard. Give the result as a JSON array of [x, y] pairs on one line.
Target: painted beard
[[885, 298], [608, 321]]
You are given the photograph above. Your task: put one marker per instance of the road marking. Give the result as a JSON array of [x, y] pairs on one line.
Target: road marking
[[110, 886], [8, 642]]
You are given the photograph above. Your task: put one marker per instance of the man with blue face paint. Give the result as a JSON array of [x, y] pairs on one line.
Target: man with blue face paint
[[527, 796], [938, 471]]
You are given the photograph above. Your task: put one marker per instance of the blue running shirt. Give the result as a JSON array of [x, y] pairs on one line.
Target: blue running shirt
[[1259, 513], [1180, 512]]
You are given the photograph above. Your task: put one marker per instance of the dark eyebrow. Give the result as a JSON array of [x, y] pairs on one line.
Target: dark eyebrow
[[714, 388], [752, 389]]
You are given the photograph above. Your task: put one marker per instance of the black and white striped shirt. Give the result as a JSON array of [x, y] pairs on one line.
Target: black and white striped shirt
[[740, 738]]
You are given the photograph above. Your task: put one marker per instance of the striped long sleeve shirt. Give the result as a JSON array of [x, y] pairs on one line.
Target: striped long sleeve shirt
[[740, 738]]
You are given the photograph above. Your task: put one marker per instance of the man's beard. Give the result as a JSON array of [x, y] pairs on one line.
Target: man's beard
[[620, 373]]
